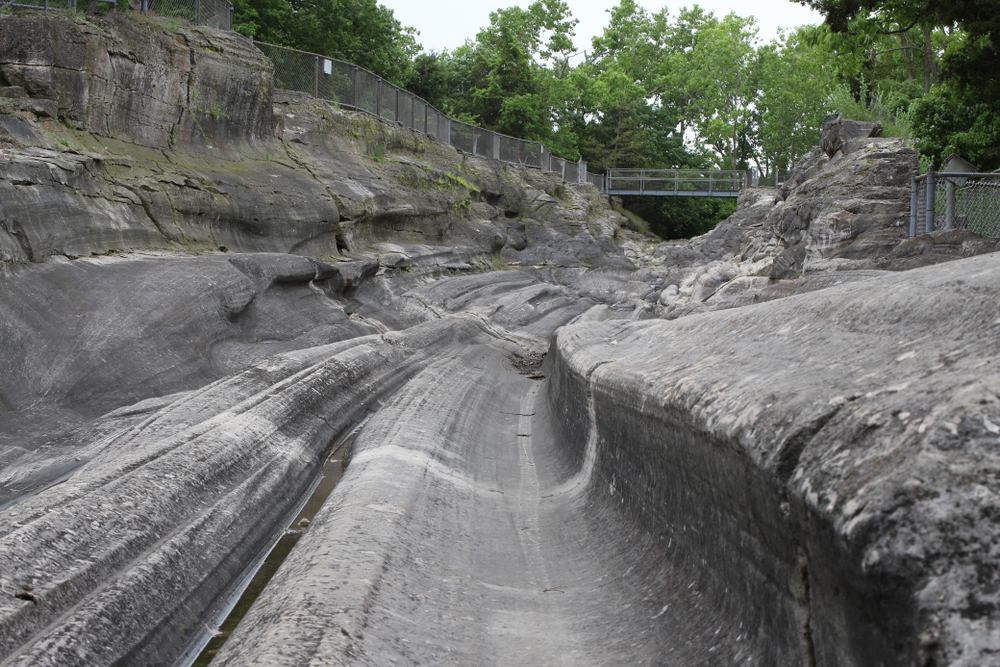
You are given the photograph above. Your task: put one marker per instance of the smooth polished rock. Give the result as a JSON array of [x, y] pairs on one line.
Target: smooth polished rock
[[856, 428]]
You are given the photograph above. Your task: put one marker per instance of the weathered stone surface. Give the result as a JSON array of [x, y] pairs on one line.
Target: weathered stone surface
[[242, 173], [856, 522], [809, 480], [139, 81], [841, 135], [128, 572]]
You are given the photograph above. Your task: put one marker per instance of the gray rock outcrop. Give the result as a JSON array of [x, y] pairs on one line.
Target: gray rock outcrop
[[773, 444]]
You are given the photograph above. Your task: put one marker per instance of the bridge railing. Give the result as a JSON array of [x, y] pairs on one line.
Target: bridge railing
[[678, 182], [955, 200]]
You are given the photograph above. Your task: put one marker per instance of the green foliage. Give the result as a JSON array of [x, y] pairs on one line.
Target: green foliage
[[681, 217], [358, 31], [950, 47], [793, 99], [948, 121], [890, 109]]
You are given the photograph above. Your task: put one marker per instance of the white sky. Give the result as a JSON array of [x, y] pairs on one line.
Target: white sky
[[446, 24]]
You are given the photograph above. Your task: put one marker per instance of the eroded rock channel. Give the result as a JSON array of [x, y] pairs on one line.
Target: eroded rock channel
[[773, 445]]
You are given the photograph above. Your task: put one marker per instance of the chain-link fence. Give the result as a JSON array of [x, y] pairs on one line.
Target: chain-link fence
[[356, 88], [213, 13], [772, 180], [46, 4], [347, 85], [942, 200]]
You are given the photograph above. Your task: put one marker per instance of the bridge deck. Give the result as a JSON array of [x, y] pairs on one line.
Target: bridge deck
[[675, 182]]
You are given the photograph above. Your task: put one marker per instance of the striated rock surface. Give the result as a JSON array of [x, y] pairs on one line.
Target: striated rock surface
[[773, 444]]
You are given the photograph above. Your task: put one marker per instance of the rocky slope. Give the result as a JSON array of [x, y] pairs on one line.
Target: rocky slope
[[207, 284]]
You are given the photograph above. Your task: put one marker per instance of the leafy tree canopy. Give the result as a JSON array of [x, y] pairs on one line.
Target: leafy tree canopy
[[359, 31]]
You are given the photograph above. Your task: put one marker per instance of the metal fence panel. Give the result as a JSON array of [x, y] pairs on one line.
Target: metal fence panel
[[366, 91], [420, 115], [406, 109], [335, 80], [531, 153], [571, 173], [461, 136], [293, 70], [961, 201], [482, 142], [508, 149], [433, 125]]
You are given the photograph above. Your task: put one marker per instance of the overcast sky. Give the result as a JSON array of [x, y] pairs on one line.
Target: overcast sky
[[446, 24]]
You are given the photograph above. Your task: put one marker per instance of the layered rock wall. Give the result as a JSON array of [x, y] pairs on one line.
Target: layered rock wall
[[122, 133], [827, 461]]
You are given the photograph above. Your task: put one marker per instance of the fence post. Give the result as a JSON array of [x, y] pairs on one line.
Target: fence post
[[929, 201], [378, 98], [413, 110], [949, 204], [355, 87], [197, 12], [316, 76], [232, 10], [581, 171], [913, 207], [496, 146]]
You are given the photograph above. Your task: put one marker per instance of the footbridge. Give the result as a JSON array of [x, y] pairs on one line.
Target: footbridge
[[674, 182]]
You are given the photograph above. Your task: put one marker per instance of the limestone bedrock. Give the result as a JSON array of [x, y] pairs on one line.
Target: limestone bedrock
[[775, 444]]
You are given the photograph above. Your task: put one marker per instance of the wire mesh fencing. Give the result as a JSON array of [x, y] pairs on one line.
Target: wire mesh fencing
[[46, 4], [941, 200], [772, 180], [347, 85], [356, 88], [212, 13]]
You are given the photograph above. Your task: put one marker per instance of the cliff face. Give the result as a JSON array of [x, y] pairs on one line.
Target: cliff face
[[207, 285], [125, 133], [134, 80]]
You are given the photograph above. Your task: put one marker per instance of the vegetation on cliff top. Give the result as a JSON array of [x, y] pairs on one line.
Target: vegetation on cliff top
[[689, 89]]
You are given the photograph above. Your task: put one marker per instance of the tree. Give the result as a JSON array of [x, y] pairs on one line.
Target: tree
[[961, 97], [358, 31], [795, 85], [722, 75]]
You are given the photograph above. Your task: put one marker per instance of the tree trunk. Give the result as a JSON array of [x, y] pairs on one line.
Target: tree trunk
[[907, 57], [930, 67]]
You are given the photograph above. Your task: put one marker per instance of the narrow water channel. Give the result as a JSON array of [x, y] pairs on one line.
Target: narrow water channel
[[333, 469]]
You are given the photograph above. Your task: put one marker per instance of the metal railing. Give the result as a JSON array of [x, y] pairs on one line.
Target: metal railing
[[354, 87], [212, 13], [953, 200], [675, 182], [773, 180]]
